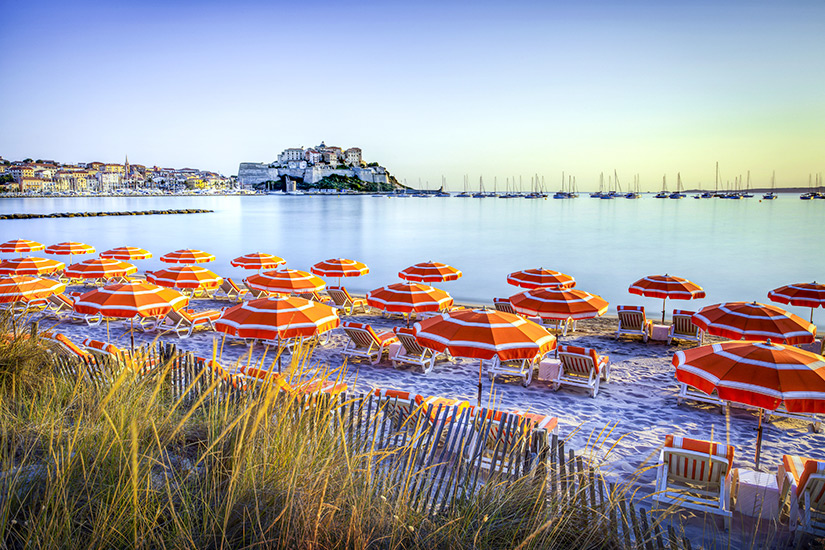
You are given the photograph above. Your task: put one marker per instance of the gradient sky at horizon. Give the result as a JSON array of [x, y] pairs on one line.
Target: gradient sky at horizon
[[426, 88]]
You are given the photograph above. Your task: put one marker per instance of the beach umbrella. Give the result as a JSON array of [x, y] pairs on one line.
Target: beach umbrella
[[407, 298], [69, 249], [126, 253], [760, 374], [277, 318], [340, 267], [484, 334], [540, 278], [666, 286], [20, 246], [257, 260], [430, 272], [23, 288], [187, 256], [286, 281], [99, 268], [754, 321], [185, 276], [810, 295], [559, 305], [30, 266]]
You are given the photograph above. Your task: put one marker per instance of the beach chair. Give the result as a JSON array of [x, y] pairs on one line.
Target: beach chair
[[497, 432], [61, 344], [398, 404], [301, 389], [695, 474], [522, 368], [232, 291], [255, 293], [413, 353], [443, 413], [632, 321], [102, 349], [581, 367], [684, 329], [689, 393], [802, 483], [365, 343], [504, 305], [61, 308], [344, 301], [184, 322], [314, 296]]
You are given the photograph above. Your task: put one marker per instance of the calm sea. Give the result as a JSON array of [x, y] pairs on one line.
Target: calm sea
[[736, 250]]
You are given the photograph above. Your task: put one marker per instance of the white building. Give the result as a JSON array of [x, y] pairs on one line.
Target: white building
[[292, 154], [352, 156]]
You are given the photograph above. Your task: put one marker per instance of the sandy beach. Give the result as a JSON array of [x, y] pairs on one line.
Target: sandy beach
[[633, 412]]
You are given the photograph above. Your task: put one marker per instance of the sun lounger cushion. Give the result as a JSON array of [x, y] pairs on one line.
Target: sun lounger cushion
[[65, 342], [200, 316], [811, 467], [385, 337], [598, 360], [102, 347], [699, 446]]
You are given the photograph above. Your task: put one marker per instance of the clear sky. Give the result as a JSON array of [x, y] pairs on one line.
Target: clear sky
[[498, 89]]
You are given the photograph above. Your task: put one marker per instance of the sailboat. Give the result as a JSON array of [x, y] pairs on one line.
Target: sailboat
[[561, 194], [441, 192], [464, 194], [480, 194], [634, 193], [663, 194], [573, 190], [598, 194], [819, 194], [747, 194], [771, 196], [678, 193], [810, 194]]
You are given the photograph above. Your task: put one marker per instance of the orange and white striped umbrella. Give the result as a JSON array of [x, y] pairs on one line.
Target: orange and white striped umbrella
[[126, 253], [20, 245], [666, 286], [69, 248], [277, 317], [761, 374], [23, 288], [30, 266], [99, 268], [408, 298], [754, 321], [548, 303], [430, 272], [484, 334], [187, 256], [286, 281], [541, 278], [340, 267], [185, 276], [810, 295], [130, 299], [258, 260]]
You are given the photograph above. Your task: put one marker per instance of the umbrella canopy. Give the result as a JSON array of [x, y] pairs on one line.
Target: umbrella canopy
[[187, 256], [430, 272], [408, 298], [126, 253], [130, 299], [547, 303], [99, 268], [753, 321], [759, 374], [541, 278], [23, 288], [666, 286], [285, 282], [340, 267], [810, 295], [69, 249], [257, 260], [20, 245], [185, 276], [30, 266], [484, 334], [277, 317]]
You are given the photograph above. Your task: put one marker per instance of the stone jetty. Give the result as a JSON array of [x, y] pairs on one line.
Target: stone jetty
[[94, 214]]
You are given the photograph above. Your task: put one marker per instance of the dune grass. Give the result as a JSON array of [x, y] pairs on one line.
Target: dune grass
[[131, 466]]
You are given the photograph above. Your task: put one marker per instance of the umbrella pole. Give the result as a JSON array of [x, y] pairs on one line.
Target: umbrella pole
[[758, 439], [280, 353], [812, 315], [663, 309], [132, 333], [108, 338], [480, 363], [13, 322]]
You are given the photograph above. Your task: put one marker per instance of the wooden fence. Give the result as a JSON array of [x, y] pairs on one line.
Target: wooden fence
[[430, 456]]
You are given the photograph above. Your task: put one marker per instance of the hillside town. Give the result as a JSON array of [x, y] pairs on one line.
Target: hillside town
[[305, 168], [49, 177]]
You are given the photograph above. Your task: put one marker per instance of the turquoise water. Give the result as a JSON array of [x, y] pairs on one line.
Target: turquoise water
[[736, 250]]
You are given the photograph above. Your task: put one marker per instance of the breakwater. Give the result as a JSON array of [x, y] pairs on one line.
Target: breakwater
[[95, 214]]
